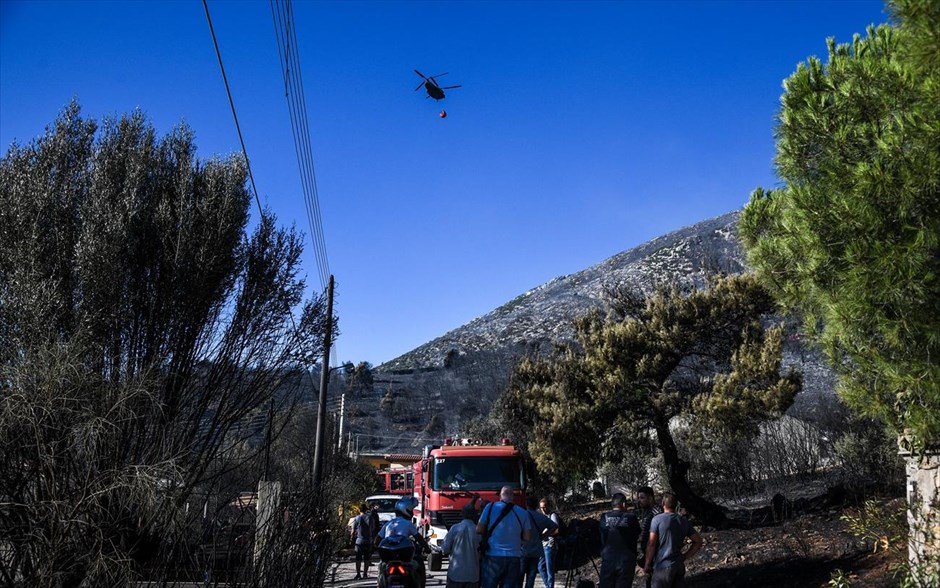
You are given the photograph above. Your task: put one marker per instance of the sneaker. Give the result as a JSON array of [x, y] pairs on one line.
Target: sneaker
[[365, 574], [357, 576]]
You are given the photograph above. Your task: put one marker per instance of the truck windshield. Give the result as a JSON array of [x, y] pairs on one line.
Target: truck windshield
[[478, 473]]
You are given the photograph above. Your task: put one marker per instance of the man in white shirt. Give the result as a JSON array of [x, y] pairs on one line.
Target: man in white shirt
[[461, 545]]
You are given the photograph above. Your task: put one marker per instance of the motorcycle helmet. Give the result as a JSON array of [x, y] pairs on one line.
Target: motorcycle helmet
[[405, 506]]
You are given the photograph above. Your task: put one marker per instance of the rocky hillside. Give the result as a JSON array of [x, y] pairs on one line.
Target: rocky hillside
[[442, 384], [545, 313]]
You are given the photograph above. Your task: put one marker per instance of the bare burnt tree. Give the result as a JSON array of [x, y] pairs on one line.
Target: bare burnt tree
[[142, 325]]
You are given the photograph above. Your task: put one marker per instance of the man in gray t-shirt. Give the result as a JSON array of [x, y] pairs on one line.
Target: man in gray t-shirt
[[665, 559]]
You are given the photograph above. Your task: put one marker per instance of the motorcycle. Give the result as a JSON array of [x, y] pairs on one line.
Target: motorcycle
[[401, 564]]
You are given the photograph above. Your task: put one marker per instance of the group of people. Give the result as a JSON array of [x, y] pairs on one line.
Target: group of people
[[515, 543], [366, 532], [506, 545], [649, 538]]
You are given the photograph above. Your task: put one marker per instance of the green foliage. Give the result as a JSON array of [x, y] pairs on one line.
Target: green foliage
[[882, 525], [359, 378], [703, 356], [852, 241], [550, 400], [840, 579]]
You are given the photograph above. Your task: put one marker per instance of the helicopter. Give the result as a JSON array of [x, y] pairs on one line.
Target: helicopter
[[430, 84]]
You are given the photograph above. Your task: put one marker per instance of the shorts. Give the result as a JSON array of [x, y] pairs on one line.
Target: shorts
[[363, 552]]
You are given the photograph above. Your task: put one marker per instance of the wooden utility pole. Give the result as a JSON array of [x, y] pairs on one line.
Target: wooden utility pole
[[324, 384]]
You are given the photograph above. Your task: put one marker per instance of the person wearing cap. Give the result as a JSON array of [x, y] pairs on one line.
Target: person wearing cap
[[462, 545]]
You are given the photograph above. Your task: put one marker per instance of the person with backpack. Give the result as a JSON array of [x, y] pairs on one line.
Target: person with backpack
[[665, 559], [620, 531], [504, 527], [547, 565], [532, 550], [363, 533]]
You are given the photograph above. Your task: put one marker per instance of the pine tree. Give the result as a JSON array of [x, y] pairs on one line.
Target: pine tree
[[852, 241]]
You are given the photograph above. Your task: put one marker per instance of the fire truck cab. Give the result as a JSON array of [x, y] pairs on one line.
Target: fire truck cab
[[451, 475]]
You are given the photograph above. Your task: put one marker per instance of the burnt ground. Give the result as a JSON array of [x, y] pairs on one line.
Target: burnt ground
[[804, 551]]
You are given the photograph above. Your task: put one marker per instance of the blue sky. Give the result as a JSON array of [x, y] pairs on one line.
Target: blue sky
[[581, 130]]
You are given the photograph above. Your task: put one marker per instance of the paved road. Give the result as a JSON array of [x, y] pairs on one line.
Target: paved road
[[345, 571]]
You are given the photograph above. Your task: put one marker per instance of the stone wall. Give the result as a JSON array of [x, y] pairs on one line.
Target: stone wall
[[923, 513]]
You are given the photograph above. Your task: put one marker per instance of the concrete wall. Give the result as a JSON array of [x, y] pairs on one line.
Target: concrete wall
[[923, 513]]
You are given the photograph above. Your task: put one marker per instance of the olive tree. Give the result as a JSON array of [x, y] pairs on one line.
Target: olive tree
[[702, 358]]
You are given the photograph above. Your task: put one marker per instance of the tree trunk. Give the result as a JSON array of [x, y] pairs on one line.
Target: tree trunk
[[677, 471]]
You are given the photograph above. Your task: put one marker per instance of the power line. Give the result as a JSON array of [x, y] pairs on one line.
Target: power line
[[288, 52], [231, 103], [241, 139], [301, 140], [285, 32]]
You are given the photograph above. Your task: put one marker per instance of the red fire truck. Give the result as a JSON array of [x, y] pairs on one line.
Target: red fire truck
[[449, 476], [396, 480]]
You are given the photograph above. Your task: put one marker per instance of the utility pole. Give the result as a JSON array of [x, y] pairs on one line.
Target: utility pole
[[324, 384], [342, 414]]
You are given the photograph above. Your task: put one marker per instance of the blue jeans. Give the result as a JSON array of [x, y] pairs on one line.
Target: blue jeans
[[547, 567], [501, 572], [528, 569]]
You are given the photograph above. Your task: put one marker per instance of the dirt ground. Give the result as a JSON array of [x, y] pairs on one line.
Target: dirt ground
[[802, 552], [805, 551]]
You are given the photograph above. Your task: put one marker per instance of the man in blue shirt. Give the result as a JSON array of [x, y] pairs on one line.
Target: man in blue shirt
[[505, 527], [402, 526]]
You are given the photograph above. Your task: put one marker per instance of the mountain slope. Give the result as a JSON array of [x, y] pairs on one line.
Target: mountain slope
[[546, 313], [443, 384]]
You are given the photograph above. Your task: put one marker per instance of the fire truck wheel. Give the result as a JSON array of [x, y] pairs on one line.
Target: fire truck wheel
[[434, 561]]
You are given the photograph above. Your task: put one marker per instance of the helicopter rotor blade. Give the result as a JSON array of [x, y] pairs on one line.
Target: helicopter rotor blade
[[419, 86], [421, 74], [450, 87]]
